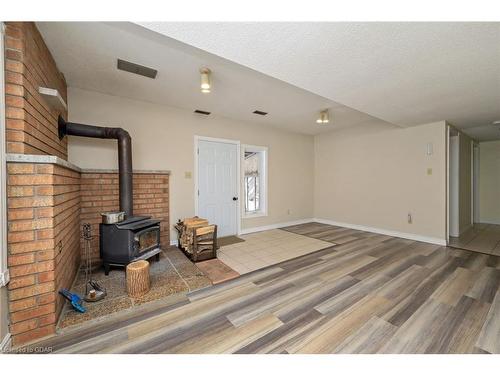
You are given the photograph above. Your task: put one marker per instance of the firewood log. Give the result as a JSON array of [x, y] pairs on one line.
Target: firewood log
[[138, 282]]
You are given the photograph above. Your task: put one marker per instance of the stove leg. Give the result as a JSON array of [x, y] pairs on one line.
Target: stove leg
[[106, 269], [157, 257]]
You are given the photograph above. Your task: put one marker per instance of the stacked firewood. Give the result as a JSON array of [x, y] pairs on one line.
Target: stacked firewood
[[186, 233], [197, 238]]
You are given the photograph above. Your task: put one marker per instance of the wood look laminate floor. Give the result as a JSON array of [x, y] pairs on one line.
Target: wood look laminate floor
[[368, 293], [483, 238]]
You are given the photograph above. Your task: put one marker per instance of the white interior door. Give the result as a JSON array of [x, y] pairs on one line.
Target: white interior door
[[218, 185]]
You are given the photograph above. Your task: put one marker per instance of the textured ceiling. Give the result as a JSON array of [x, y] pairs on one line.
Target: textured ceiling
[[403, 73], [86, 53]]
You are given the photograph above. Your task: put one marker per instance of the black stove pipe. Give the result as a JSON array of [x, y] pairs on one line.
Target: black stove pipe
[[124, 154]]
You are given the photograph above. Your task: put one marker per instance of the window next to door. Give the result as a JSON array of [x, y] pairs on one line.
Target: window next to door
[[254, 181]]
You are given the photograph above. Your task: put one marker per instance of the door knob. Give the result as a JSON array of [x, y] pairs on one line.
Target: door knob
[[235, 198]]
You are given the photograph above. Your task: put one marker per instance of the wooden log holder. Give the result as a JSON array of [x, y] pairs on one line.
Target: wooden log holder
[[138, 282], [197, 238]]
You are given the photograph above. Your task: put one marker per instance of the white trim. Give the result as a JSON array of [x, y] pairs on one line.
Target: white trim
[[471, 182], [447, 183], [264, 192], [276, 226], [392, 233], [476, 217], [197, 139], [4, 278], [496, 222], [454, 186], [5, 345], [4, 273]]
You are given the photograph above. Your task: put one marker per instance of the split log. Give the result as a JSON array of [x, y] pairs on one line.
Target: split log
[[138, 282], [185, 229]]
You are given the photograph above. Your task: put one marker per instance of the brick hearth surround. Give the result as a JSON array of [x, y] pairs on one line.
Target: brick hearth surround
[[31, 124], [43, 245], [99, 193], [43, 200], [48, 198]]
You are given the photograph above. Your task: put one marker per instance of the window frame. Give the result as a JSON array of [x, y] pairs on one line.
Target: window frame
[[263, 177], [256, 183]]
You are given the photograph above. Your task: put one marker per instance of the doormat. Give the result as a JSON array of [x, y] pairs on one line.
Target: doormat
[[229, 240], [217, 271]]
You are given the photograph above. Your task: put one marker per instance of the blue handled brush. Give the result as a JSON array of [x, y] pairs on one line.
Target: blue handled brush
[[75, 300]]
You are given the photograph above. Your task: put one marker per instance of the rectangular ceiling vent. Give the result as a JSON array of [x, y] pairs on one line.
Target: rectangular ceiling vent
[[262, 113], [202, 112], [141, 70]]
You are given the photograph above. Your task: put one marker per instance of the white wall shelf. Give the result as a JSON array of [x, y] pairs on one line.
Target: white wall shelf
[[53, 97]]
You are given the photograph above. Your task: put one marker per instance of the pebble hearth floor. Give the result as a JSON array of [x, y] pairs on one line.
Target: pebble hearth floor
[[174, 273]]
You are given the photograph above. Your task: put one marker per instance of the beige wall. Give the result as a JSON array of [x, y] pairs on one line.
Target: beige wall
[[465, 184], [163, 138], [489, 182], [374, 177]]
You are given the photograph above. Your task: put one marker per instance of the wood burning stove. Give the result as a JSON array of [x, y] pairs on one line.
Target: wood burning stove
[[135, 238]]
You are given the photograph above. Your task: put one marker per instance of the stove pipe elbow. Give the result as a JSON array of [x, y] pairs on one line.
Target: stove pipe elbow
[[124, 154]]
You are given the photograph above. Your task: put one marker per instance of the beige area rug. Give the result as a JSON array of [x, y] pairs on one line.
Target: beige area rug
[[173, 273]]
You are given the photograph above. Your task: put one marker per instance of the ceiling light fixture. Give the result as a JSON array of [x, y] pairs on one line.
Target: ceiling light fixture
[[205, 80], [324, 117]]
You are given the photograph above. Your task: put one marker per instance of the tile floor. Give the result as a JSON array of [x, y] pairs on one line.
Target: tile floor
[[483, 238], [266, 248]]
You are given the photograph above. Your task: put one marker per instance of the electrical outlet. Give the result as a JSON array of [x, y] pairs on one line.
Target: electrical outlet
[[410, 218], [187, 175], [429, 171]]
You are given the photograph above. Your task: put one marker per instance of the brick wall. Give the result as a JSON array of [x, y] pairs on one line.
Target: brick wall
[[31, 124], [43, 245], [99, 193], [47, 203]]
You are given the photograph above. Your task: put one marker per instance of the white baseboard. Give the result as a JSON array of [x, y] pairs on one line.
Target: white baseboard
[[263, 228], [409, 236], [275, 226], [6, 343], [495, 222]]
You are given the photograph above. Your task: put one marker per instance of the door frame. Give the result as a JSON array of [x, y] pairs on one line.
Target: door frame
[[475, 183], [197, 139], [453, 184]]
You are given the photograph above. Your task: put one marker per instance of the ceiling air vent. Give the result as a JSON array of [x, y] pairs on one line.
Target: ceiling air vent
[[262, 113], [141, 70], [202, 112]]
